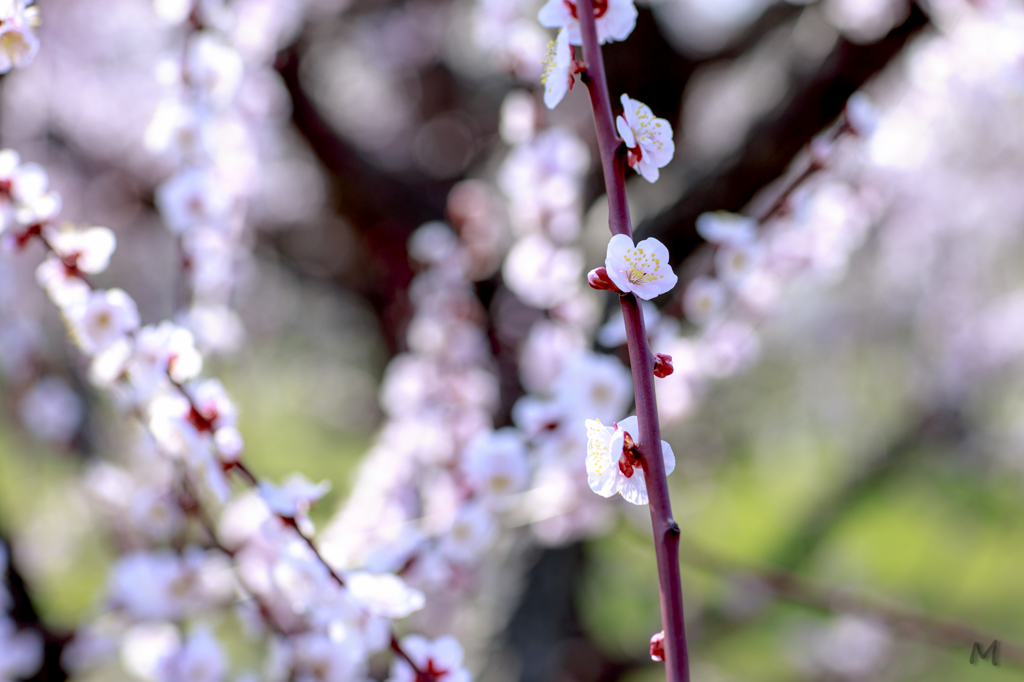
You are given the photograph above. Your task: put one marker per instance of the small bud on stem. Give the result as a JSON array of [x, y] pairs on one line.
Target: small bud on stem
[[663, 365], [658, 646], [598, 279]]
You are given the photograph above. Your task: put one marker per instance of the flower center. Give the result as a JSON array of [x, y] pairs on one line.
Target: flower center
[[549, 61], [600, 7], [642, 268], [14, 45]]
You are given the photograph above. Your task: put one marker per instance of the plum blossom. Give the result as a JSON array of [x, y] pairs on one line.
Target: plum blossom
[[611, 466], [294, 499], [63, 285], [160, 351], [87, 250], [615, 19], [192, 198], [213, 404], [384, 594], [441, 659], [704, 300], [319, 658], [559, 67], [643, 269], [199, 660], [103, 320], [649, 139], [471, 532], [160, 584], [24, 191], [735, 263], [495, 463], [18, 43], [723, 227], [593, 384]]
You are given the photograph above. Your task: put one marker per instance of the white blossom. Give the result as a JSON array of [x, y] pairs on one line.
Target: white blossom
[[298, 575], [213, 67], [722, 227], [295, 497], [18, 42], [318, 658], [88, 250], [156, 513], [384, 594], [649, 139], [609, 468], [191, 198], [163, 585], [593, 384], [642, 269], [28, 186], [160, 351], [541, 273], [103, 320], [63, 285], [199, 660], [495, 463], [558, 70], [443, 657], [471, 532], [615, 19], [704, 300], [212, 402], [734, 263]]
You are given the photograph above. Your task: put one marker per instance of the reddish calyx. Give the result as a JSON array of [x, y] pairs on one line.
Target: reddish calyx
[[630, 459], [600, 7], [634, 156]]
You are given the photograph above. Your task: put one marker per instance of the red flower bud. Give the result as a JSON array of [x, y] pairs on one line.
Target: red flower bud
[[658, 646], [599, 279], [663, 365]]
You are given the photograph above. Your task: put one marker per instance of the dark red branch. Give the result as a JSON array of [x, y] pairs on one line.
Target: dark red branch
[[666, 532]]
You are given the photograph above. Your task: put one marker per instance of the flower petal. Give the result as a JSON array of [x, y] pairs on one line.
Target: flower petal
[[634, 488], [669, 457], [601, 469], [649, 172], [625, 132], [555, 14], [615, 261]]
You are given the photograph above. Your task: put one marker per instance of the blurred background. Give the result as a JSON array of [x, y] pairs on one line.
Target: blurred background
[[847, 419]]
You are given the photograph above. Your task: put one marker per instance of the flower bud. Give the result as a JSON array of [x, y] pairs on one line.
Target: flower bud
[[658, 646], [663, 365], [599, 279]]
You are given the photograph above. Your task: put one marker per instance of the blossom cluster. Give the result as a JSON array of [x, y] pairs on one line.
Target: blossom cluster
[[429, 495], [49, 409], [648, 138], [216, 128], [258, 555], [825, 220]]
